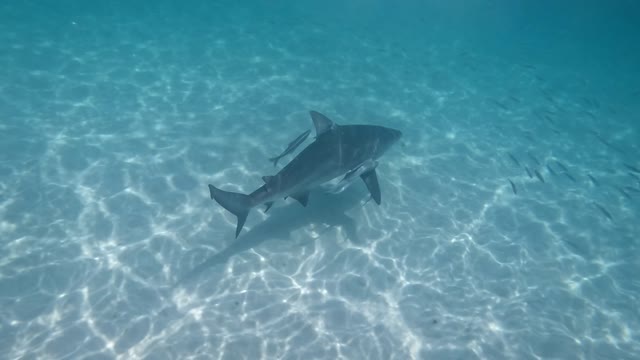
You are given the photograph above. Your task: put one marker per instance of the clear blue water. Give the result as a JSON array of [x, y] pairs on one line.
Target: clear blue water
[[115, 117]]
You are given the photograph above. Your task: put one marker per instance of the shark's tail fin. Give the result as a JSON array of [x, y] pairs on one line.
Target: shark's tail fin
[[236, 203], [275, 160]]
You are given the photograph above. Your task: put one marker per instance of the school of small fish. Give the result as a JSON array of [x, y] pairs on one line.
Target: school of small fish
[[549, 169], [554, 168]]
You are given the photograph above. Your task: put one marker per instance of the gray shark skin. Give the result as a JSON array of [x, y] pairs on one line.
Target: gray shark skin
[[337, 150]]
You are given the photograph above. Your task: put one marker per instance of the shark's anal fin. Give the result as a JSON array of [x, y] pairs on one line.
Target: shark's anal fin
[[371, 180], [268, 183], [321, 123], [302, 197]]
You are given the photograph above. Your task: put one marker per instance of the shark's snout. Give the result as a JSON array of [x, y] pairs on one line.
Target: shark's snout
[[397, 134], [391, 136]]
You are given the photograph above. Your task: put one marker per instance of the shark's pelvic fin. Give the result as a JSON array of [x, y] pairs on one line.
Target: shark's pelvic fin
[[302, 197], [321, 123], [236, 203], [371, 180]]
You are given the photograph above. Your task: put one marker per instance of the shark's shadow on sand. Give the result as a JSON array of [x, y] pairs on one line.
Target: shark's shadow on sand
[[323, 208]]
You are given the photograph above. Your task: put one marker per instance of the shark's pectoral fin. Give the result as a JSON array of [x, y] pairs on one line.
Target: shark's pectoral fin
[[268, 206], [321, 123], [371, 180], [302, 197]]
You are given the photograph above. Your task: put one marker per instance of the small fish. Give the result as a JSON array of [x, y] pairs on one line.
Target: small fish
[[547, 95], [538, 114], [528, 172], [539, 176], [607, 144], [365, 167], [624, 193], [632, 189], [634, 176], [570, 177], [632, 168], [551, 171], [291, 147], [591, 102], [604, 211], [529, 136], [514, 99], [574, 246], [335, 188], [535, 160], [513, 186], [514, 159], [564, 168], [549, 119], [593, 180], [499, 104]]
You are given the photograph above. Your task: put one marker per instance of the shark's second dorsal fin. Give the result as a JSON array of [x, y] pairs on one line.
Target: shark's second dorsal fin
[[321, 123], [302, 197]]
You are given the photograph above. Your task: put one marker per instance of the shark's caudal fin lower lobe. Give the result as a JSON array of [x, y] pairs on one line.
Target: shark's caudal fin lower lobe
[[275, 160], [236, 203]]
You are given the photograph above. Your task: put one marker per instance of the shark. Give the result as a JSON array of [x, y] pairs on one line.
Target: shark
[[337, 151]]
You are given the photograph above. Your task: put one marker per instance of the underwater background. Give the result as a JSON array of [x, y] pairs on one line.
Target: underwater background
[[509, 219]]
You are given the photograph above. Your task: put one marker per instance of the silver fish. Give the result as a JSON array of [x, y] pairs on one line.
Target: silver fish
[[603, 210], [513, 186], [291, 147]]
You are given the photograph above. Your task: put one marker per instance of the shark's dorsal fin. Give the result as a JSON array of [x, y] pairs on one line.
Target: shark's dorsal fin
[[302, 197], [371, 180], [321, 123]]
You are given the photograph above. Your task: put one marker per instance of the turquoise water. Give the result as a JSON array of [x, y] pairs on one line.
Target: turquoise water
[[115, 117]]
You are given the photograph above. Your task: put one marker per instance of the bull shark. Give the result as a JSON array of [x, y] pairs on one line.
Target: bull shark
[[337, 150]]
